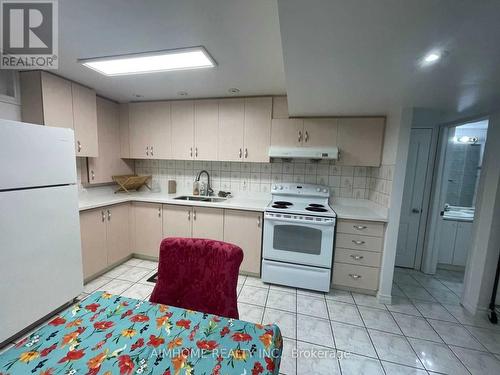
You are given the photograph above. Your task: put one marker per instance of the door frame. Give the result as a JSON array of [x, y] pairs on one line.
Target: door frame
[[430, 254]]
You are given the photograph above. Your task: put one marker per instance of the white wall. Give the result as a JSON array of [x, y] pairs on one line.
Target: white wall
[[483, 257], [10, 111]]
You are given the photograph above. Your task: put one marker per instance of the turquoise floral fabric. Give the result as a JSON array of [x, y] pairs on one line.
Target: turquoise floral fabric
[[108, 334]]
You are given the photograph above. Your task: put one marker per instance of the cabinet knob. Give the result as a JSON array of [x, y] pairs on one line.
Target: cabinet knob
[[103, 216], [109, 215], [196, 152], [357, 257], [359, 227], [246, 152], [147, 150], [189, 215], [194, 214], [191, 151], [306, 137], [92, 174], [415, 210], [258, 221], [151, 150], [357, 242], [355, 276], [300, 136], [79, 145], [159, 211], [239, 155]]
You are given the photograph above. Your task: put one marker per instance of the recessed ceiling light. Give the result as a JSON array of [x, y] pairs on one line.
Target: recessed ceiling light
[[234, 90], [182, 93], [432, 57], [151, 62]]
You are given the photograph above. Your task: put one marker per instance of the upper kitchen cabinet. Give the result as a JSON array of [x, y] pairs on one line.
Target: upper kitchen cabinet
[[206, 129], [84, 120], [231, 129], [182, 129], [257, 130], [53, 101], [108, 163], [360, 141], [287, 132], [123, 116], [280, 107], [150, 130], [320, 132]]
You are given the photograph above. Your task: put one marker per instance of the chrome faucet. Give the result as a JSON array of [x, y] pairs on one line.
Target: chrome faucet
[[209, 190]]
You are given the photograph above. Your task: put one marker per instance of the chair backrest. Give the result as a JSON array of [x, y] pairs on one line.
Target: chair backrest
[[198, 274]]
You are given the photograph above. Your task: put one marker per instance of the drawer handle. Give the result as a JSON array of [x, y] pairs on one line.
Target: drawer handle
[[79, 146], [354, 276], [357, 257], [358, 242], [359, 227]]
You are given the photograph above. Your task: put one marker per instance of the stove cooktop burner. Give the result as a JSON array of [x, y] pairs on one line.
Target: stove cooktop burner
[[316, 209], [282, 206], [283, 203], [316, 205]]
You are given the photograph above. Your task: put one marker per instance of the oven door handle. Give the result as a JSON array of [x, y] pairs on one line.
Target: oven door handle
[[310, 222]]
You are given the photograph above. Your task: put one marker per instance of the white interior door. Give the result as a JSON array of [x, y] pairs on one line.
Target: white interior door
[[413, 195]]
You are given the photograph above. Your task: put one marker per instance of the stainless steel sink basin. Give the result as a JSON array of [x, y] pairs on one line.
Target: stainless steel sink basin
[[198, 198]]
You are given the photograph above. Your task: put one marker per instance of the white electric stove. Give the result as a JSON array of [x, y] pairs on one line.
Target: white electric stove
[[299, 232]]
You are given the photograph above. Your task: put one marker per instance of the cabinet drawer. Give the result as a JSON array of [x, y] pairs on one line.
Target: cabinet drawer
[[357, 257], [355, 276], [366, 228], [357, 242]]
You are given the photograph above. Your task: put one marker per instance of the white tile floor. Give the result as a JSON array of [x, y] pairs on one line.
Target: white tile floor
[[424, 331]]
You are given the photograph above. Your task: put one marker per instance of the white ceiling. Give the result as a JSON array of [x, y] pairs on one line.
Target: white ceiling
[[360, 56], [338, 57], [242, 36]]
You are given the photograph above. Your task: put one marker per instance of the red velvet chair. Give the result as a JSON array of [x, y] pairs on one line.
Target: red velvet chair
[[198, 274]]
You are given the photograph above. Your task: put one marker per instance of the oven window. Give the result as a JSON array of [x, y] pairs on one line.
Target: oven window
[[297, 239]]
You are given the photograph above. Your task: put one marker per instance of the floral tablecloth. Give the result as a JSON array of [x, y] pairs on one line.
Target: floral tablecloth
[[108, 334]]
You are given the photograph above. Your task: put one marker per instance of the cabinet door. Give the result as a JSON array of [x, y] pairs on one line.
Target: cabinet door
[[118, 240], [182, 129], [177, 221], [93, 235], [231, 129], [462, 243], [287, 132], [161, 130], [244, 228], [446, 241], [280, 107], [84, 120], [206, 129], [57, 101], [208, 222], [148, 228], [108, 163], [320, 132], [360, 141], [123, 119], [139, 133], [257, 129]]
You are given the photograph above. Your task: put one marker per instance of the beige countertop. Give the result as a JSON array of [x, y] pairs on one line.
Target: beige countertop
[[354, 209]]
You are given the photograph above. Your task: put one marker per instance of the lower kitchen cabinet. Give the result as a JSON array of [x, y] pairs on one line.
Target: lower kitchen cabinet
[[244, 228], [93, 234], [198, 222], [148, 228], [208, 222], [118, 233], [105, 237], [177, 221]]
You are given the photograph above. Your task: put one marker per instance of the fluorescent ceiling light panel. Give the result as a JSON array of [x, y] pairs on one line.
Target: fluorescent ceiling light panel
[[151, 62]]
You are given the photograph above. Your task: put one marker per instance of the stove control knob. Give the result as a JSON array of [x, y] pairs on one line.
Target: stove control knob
[[318, 189], [280, 187], [325, 191], [274, 187]]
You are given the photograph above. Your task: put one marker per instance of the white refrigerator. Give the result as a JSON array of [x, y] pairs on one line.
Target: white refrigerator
[[40, 251]]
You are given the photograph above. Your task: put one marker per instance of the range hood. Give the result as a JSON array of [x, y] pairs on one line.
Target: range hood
[[304, 152]]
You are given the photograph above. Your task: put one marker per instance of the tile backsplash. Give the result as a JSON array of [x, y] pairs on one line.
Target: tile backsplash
[[344, 181]]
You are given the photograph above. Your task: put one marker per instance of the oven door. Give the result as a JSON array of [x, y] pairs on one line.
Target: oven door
[[299, 241]]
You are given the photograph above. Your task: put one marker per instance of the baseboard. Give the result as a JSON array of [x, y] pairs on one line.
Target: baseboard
[[386, 299]]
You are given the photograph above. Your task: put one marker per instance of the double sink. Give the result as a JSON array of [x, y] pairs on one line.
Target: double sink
[[198, 198]]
